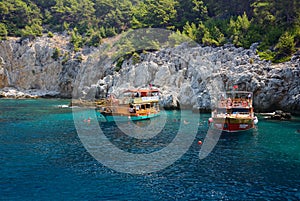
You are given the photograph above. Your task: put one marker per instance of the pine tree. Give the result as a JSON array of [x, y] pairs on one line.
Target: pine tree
[[285, 46], [3, 31]]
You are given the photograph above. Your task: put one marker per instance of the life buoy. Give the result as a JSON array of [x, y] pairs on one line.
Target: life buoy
[[255, 120]]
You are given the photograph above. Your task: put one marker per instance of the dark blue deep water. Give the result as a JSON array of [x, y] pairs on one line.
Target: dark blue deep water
[[42, 158]]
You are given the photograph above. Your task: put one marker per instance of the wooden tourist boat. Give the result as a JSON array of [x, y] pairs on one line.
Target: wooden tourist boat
[[233, 112], [135, 105]]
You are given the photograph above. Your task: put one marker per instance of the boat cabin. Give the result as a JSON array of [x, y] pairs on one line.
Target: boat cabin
[[233, 103], [137, 104]]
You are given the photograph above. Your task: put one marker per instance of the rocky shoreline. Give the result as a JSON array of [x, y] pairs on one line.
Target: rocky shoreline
[[276, 115], [186, 75], [12, 93]]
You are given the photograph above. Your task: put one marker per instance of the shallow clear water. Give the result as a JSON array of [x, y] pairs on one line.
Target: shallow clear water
[[42, 158]]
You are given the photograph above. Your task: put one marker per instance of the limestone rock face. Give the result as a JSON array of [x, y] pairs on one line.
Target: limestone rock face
[[29, 65], [186, 75]]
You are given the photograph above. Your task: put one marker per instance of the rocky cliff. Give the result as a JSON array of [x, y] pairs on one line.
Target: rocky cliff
[[187, 74]]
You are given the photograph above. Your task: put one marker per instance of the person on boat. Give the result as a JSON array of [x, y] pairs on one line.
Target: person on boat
[[222, 102], [229, 102], [112, 99], [131, 109]]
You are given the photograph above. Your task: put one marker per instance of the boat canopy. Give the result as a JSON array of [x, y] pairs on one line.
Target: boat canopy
[[142, 92], [236, 94]]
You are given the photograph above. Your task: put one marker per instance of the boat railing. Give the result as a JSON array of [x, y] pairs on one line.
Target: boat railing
[[234, 114], [138, 100], [126, 100], [146, 99], [234, 104]]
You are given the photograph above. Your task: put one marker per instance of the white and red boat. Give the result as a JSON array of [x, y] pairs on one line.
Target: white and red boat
[[233, 112]]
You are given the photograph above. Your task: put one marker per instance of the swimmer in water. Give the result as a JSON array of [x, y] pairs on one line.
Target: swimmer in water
[[185, 122]]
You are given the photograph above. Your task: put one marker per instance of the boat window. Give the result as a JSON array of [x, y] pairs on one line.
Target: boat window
[[221, 110], [239, 110]]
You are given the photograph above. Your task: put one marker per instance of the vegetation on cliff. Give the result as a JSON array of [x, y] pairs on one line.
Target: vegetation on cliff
[[274, 24]]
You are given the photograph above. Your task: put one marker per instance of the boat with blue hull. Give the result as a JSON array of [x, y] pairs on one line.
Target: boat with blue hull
[[134, 105]]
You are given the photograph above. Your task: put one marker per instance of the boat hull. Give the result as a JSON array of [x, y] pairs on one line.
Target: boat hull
[[232, 124], [112, 118]]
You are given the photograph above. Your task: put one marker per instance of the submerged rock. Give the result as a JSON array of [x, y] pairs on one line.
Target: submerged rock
[[277, 115]]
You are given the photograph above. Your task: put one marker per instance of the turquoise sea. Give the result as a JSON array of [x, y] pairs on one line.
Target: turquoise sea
[[43, 158]]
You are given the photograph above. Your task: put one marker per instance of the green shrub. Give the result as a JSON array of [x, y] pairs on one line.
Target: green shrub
[[117, 68], [285, 47], [79, 58], [94, 40], [136, 58], [110, 32], [190, 30], [238, 30], [297, 36], [56, 54], [76, 40], [3, 31], [50, 34], [177, 38], [32, 30], [270, 37], [102, 32], [66, 26], [251, 60], [266, 55], [120, 62], [66, 57]]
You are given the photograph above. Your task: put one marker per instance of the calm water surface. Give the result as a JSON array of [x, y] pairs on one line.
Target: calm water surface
[[42, 158]]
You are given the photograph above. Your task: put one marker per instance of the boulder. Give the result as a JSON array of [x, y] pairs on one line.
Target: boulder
[[277, 115]]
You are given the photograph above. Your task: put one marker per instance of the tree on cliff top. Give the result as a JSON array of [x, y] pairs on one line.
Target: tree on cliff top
[[263, 21], [19, 17], [3, 31]]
